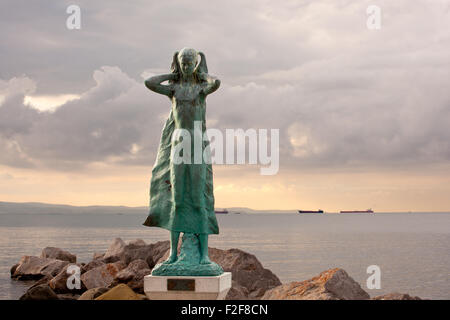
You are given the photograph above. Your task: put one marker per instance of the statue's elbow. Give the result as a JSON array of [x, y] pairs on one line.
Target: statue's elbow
[[150, 84], [217, 84]]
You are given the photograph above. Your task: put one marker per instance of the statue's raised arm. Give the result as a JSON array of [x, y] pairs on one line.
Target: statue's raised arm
[[154, 83], [212, 83]]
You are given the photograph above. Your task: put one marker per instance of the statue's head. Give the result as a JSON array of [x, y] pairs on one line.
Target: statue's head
[[187, 60]]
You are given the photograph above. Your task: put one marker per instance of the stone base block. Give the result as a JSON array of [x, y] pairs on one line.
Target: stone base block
[[187, 288]]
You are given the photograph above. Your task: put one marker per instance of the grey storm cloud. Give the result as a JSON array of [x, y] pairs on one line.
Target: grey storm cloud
[[340, 94], [107, 121]]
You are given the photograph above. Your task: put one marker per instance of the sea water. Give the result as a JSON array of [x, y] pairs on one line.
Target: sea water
[[412, 250]]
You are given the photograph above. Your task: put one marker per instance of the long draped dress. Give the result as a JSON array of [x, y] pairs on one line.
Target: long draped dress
[[181, 195]]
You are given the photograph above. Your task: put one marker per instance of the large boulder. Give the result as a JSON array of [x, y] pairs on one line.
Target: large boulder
[[98, 255], [44, 280], [59, 254], [39, 292], [134, 250], [237, 292], [13, 269], [59, 282], [133, 275], [333, 284], [102, 276], [120, 292], [33, 268], [247, 272], [396, 296], [92, 265], [158, 251], [137, 242], [93, 293], [114, 250]]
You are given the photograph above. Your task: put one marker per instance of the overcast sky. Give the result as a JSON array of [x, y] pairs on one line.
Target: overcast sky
[[364, 115]]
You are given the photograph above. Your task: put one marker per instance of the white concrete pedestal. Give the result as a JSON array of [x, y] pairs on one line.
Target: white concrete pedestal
[[187, 288]]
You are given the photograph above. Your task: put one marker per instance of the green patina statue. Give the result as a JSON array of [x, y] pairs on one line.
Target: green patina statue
[[181, 194]]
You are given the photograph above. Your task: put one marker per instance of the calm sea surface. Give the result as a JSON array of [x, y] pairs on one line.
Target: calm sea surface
[[412, 249]]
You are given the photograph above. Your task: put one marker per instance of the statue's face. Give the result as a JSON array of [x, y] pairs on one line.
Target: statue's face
[[187, 63]]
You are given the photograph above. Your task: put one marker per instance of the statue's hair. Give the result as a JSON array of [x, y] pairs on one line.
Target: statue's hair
[[202, 67], [189, 52]]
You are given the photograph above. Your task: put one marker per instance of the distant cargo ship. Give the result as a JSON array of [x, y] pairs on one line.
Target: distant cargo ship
[[221, 211], [357, 211], [310, 211]]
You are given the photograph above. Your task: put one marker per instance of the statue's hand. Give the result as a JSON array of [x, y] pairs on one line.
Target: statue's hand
[[202, 76]]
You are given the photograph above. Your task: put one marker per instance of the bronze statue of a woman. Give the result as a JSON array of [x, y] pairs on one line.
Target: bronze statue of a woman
[[181, 194]]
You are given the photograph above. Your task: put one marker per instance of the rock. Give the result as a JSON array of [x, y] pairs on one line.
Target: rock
[[59, 254], [120, 292], [93, 293], [92, 265], [246, 270], [13, 269], [137, 242], [40, 292], [333, 284], [343, 286], [133, 252], [114, 251], [68, 296], [44, 280], [98, 255], [133, 275], [158, 251], [237, 292], [59, 282], [33, 268], [130, 271], [137, 249], [396, 296], [102, 276]]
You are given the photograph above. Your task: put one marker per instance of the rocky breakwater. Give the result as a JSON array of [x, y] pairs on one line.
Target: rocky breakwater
[[118, 274]]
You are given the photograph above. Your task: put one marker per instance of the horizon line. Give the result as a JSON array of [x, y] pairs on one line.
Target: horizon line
[[138, 207]]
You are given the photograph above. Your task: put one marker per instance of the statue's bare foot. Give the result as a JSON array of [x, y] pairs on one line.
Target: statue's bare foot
[[205, 260], [171, 259]]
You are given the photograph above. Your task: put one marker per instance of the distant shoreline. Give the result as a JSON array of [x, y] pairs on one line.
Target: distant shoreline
[[49, 208]]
